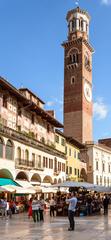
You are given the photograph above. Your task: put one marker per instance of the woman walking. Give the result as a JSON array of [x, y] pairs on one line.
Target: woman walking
[[30, 208]]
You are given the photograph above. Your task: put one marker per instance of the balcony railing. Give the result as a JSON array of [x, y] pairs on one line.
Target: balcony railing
[[22, 136], [26, 164], [27, 139]]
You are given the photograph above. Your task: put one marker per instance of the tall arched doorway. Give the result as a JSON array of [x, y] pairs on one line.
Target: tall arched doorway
[[47, 179], [35, 179], [22, 176]]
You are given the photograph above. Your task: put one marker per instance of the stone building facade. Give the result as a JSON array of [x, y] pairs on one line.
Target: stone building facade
[[27, 138], [98, 164]]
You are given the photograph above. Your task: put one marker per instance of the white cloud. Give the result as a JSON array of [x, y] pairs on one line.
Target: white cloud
[[100, 109], [50, 104], [55, 103], [106, 2]]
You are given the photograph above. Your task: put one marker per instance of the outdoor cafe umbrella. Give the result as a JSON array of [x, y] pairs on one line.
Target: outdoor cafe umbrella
[[22, 190], [86, 185], [69, 184], [102, 189], [4, 189]]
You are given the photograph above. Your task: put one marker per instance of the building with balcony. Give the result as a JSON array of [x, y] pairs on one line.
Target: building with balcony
[[27, 138]]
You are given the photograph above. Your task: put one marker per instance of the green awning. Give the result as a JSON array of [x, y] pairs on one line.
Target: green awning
[[8, 181]]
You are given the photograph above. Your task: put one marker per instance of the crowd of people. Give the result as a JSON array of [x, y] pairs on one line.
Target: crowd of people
[[87, 204], [72, 204], [7, 208], [36, 209]]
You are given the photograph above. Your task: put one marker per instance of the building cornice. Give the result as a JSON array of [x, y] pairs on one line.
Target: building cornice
[[81, 40], [5, 85], [77, 10], [71, 140], [99, 146], [22, 138], [28, 90]]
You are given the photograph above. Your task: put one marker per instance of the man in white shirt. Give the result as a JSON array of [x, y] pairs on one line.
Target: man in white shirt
[[35, 209], [71, 210]]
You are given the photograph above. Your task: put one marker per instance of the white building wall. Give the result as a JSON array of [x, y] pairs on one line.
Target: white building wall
[[11, 164], [97, 157]]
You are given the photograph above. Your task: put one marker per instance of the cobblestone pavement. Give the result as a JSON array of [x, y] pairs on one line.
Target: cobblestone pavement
[[87, 228]]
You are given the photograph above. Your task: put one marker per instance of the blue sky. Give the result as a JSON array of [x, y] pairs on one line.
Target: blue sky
[[31, 33]]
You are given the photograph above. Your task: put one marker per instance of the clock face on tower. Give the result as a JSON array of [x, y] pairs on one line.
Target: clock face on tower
[[87, 92]]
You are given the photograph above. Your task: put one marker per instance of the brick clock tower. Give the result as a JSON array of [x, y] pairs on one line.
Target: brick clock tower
[[78, 77]]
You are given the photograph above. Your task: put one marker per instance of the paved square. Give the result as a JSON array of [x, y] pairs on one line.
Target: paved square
[[87, 228]]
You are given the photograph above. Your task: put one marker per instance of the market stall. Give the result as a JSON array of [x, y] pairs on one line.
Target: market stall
[[89, 198]]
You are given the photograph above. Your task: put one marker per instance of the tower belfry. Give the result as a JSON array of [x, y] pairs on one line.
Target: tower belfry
[[78, 77], [78, 24]]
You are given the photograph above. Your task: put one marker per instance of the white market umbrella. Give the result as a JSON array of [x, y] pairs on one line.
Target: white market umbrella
[[69, 184], [6, 189]]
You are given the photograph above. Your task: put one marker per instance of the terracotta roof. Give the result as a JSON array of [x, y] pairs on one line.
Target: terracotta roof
[[103, 146], [60, 133], [4, 84], [45, 115], [99, 145], [75, 142], [26, 89], [71, 140]]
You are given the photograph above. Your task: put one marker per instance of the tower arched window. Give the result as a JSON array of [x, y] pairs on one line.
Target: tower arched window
[[70, 58], [1, 147], [72, 80], [9, 150], [87, 28], [75, 58], [70, 26], [74, 25], [81, 25]]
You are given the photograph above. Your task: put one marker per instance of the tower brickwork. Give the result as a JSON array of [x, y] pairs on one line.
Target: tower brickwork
[[78, 77]]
